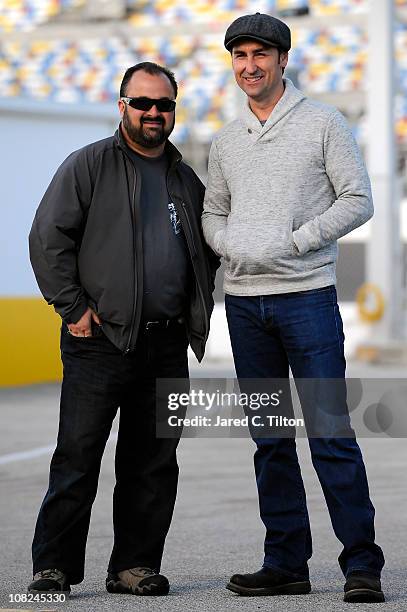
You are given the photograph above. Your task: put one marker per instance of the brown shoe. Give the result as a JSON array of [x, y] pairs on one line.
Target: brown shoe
[[138, 581], [49, 581]]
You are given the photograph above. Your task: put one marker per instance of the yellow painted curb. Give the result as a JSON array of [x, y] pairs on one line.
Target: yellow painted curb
[[29, 333]]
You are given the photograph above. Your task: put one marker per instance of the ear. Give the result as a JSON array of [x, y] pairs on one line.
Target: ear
[[283, 59], [121, 106]]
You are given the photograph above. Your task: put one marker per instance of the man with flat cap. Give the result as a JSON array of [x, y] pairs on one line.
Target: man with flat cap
[[286, 180]]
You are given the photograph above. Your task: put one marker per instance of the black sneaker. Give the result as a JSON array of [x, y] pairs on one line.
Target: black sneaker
[[361, 587], [49, 581], [267, 582], [138, 581]]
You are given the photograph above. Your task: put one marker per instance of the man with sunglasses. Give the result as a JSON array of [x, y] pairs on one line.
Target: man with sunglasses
[[117, 249]]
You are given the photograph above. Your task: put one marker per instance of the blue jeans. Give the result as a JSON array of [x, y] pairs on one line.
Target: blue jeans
[[303, 330]]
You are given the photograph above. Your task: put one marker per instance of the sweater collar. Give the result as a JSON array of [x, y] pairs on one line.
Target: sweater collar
[[289, 100]]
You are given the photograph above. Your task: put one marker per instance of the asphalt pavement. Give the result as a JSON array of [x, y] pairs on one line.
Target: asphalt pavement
[[216, 529]]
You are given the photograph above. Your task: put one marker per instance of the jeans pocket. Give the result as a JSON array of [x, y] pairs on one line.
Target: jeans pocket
[[96, 329]]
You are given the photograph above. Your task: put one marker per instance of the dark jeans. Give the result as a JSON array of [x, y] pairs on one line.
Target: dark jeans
[[303, 330], [98, 379]]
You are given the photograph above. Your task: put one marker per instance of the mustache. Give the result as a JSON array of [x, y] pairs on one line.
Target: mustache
[[153, 120]]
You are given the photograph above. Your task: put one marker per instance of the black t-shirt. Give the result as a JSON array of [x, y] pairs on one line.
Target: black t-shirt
[[166, 261]]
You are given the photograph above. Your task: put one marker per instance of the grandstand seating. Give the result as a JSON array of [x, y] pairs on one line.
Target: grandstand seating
[[337, 7], [327, 59], [27, 14], [169, 12]]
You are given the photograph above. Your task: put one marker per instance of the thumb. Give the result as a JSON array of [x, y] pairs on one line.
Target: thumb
[[95, 317]]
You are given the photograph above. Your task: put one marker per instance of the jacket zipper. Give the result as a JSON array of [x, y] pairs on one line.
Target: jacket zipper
[[136, 298]]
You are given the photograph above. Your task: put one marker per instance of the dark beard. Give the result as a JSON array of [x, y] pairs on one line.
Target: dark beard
[[140, 136]]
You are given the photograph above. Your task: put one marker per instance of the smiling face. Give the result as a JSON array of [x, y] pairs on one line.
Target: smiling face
[[258, 69], [147, 130]]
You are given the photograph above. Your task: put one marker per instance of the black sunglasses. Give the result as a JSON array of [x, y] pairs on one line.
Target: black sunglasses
[[144, 104]]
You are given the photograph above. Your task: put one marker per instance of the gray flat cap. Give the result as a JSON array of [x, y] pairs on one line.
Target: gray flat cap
[[265, 28]]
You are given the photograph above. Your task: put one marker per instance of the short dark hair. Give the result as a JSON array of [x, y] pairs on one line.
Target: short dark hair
[[246, 39], [280, 51], [150, 68]]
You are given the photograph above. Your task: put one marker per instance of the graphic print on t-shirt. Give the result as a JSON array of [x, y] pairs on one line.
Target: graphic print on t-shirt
[[174, 219]]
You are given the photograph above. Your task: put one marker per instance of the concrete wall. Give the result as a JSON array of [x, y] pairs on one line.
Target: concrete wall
[[35, 137]]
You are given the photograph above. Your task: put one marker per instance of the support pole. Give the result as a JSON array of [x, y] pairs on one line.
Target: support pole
[[384, 257]]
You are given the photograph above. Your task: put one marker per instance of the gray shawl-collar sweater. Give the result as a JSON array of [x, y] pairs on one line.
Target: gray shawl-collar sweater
[[280, 195]]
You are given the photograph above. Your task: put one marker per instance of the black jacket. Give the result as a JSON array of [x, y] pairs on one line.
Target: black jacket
[[86, 241]]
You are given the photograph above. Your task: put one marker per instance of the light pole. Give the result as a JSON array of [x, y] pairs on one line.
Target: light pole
[[384, 260]]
